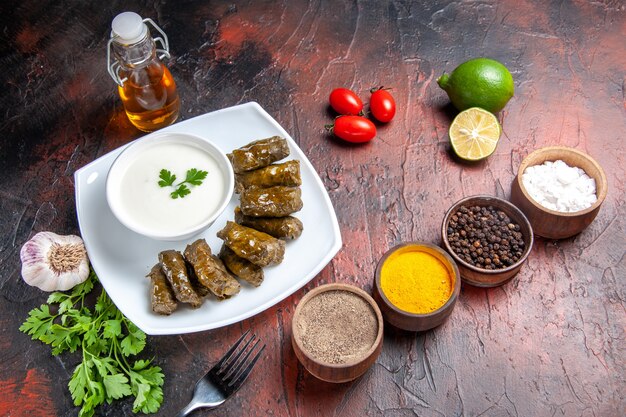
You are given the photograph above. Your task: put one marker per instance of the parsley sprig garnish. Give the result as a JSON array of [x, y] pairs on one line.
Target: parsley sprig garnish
[[194, 177], [108, 342]]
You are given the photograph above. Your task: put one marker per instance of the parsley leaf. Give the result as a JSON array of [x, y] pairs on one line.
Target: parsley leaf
[[134, 342], [38, 323], [112, 328], [108, 341], [78, 384], [166, 178], [181, 192], [193, 177], [117, 386]]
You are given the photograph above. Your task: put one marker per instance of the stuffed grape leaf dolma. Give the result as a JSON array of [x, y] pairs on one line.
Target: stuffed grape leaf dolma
[[285, 228], [278, 201], [287, 174], [174, 268], [162, 296], [258, 154], [241, 268], [200, 289], [210, 270], [257, 247]]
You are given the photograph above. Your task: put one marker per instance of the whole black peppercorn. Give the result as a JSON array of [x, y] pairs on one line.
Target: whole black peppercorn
[[485, 237]]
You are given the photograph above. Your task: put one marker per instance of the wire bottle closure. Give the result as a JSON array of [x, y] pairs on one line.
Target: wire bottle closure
[[114, 66]]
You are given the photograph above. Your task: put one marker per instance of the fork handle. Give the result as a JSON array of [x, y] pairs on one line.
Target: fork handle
[[187, 410], [192, 406]]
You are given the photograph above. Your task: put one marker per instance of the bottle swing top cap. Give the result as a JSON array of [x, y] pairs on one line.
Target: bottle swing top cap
[[128, 28]]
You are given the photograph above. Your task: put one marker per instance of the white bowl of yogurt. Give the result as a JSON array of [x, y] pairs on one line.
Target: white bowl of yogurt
[[169, 186]]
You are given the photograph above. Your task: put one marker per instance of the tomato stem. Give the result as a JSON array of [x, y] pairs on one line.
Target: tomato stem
[[374, 89]]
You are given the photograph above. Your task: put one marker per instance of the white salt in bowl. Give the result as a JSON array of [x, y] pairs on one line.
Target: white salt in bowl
[[549, 223]]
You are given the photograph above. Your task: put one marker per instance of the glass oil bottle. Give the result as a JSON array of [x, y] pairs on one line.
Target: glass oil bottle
[[145, 85]]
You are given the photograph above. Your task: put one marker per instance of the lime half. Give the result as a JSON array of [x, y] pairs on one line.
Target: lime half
[[474, 134]]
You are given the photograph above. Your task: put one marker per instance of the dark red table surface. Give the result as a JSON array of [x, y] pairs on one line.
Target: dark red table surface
[[549, 343]]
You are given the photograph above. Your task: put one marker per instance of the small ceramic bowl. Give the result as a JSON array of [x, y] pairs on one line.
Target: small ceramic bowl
[[410, 321], [336, 372], [480, 277], [553, 224], [143, 205]]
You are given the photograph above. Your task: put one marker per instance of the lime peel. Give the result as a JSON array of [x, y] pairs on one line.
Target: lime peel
[[443, 80], [479, 82]]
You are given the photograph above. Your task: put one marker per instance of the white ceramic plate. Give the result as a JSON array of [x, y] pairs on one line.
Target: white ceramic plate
[[122, 258]]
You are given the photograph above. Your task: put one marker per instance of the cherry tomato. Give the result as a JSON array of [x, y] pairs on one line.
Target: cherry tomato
[[382, 105], [354, 129], [345, 101]]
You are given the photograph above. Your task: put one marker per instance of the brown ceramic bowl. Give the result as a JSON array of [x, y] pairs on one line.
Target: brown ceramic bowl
[[554, 224], [480, 277], [411, 321], [332, 372]]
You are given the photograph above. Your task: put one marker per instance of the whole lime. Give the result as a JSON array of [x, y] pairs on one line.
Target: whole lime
[[479, 82]]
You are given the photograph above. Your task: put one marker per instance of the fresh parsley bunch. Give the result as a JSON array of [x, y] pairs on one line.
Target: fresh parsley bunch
[[108, 341]]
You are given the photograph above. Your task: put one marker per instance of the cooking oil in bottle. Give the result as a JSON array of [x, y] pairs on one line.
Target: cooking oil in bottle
[[145, 85], [150, 98]]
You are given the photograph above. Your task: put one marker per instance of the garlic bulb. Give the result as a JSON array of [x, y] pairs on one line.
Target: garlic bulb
[[54, 263]]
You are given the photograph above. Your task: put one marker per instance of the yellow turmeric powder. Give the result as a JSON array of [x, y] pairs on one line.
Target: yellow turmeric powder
[[415, 281]]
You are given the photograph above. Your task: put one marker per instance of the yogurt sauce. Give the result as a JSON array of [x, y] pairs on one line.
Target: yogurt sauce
[[151, 206]]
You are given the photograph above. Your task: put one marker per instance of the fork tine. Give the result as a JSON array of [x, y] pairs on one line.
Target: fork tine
[[241, 378], [232, 361], [235, 366], [228, 354]]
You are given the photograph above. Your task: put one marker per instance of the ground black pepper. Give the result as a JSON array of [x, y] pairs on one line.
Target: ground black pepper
[[337, 327], [485, 237]]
